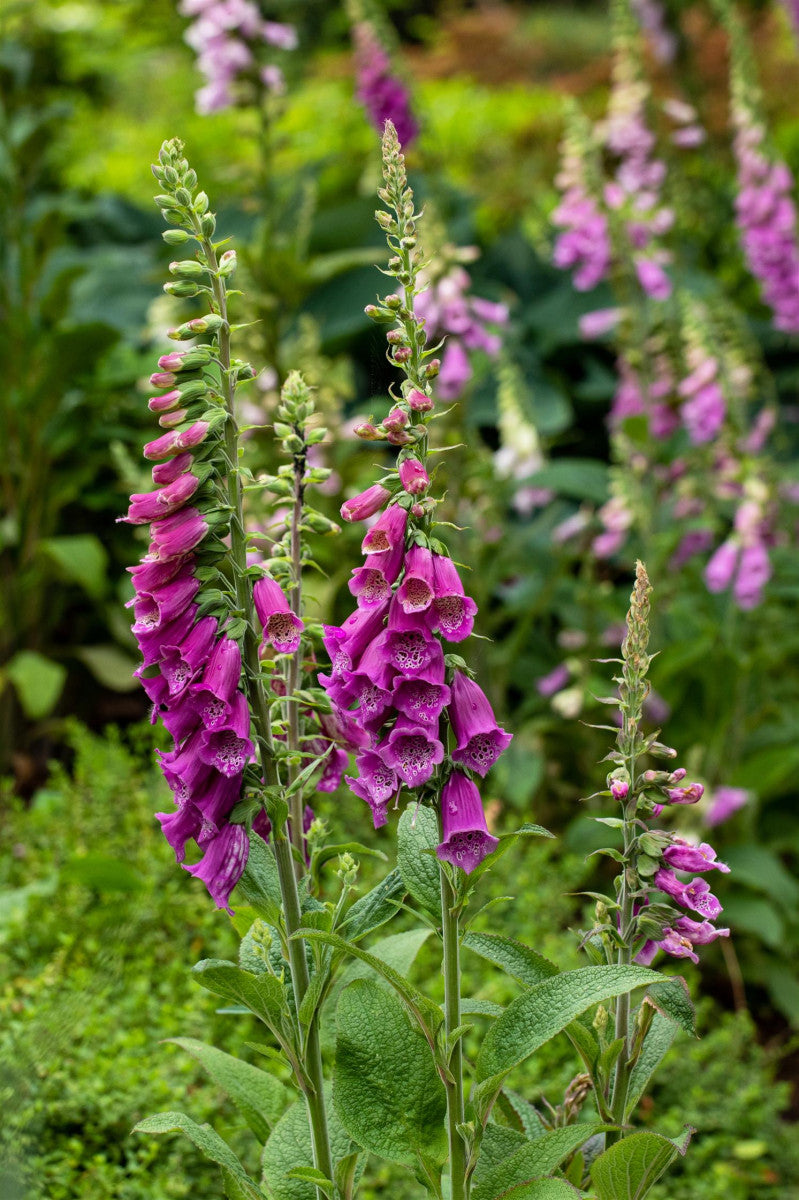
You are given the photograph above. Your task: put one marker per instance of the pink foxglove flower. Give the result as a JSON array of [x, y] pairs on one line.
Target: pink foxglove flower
[[479, 739], [280, 625], [383, 96], [725, 801], [366, 504], [466, 838]]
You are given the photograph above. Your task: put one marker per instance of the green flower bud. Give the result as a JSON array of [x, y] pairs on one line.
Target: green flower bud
[[175, 237]]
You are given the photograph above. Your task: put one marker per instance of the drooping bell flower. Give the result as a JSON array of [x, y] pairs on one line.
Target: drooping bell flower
[[388, 531], [181, 663], [168, 471], [151, 506], [333, 769], [177, 827], [154, 644], [371, 583], [413, 476], [411, 649], [692, 793], [412, 751], [213, 694], [149, 575], [480, 741], [466, 838], [684, 857], [180, 717], [346, 643], [281, 626], [415, 593], [677, 945], [366, 504], [420, 700], [156, 608], [223, 863], [451, 613], [725, 801], [721, 566], [377, 784], [229, 749], [695, 894], [174, 442], [176, 535]]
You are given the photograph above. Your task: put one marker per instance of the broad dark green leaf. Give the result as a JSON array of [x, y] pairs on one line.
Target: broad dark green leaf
[[513, 957], [673, 1000], [386, 1088], [209, 1143], [546, 1009], [375, 908], [258, 1095], [259, 886], [417, 831], [629, 1169], [263, 995], [534, 1159], [657, 1043], [289, 1149]]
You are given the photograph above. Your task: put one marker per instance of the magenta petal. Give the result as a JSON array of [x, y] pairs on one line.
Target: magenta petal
[[480, 741], [180, 664], [413, 751], [223, 863], [415, 593], [388, 531], [178, 827], [211, 697], [229, 749], [466, 838]]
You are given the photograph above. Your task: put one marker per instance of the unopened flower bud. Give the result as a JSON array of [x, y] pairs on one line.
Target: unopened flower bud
[[162, 379], [175, 237], [210, 323], [402, 354], [413, 476], [227, 264], [432, 368], [400, 437], [165, 403], [393, 301], [419, 402], [678, 775], [396, 419], [395, 337], [187, 268], [417, 511], [619, 789], [368, 431]]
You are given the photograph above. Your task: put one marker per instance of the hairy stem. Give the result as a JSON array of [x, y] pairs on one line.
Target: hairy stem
[[452, 1019], [294, 665], [313, 1081]]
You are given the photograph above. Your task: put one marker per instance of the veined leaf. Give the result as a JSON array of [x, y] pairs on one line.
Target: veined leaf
[[289, 1150], [417, 831], [513, 957], [629, 1169], [534, 1159], [259, 1096], [209, 1143]]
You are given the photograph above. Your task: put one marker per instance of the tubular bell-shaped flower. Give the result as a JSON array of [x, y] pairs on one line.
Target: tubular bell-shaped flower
[[281, 626], [479, 739], [466, 838]]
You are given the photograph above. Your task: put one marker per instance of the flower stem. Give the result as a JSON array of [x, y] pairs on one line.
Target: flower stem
[[452, 1019], [294, 665], [313, 1081], [621, 1082]]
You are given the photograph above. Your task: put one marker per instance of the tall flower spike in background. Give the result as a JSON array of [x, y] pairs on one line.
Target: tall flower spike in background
[[379, 89]]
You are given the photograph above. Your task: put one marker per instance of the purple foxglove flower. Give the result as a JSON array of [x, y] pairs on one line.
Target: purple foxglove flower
[[156, 689], [415, 593], [653, 279], [334, 767], [420, 402], [212, 696], [411, 649], [703, 415], [153, 645], [698, 896], [377, 784], [646, 954], [149, 575], [155, 609], [668, 882], [701, 933], [223, 863], [215, 797], [169, 471], [184, 770], [177, 827], [366, 504], [421, 700], [721, 567], [452, 613], [382, 95], [281, 626], [456, 370], [754, 572], [619, 789], [229, 749], [174, 536], [599, 322], [466, 838], [369, 686], [684, 857], [371, 583], [180, 718], [346, 643], [725, 802], [162, 379], [555, 681], [690, 794], [388, 531], [175, 442], [677, 946], [413, 476], [179, 664], [480, 741], [340, 726], [412, 751]]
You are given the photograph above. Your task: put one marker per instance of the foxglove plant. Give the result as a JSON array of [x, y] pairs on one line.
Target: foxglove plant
[[228, 661], [383, 95]]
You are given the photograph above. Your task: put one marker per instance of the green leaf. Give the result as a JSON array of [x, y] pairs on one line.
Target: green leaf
[[259, 1096], [398, 951], [110, 666], [630, 1168], [673, 1000], [209, 1143], [513, 957], [417, 831], [657, 1043], [259, 886], [38, 682], [428, 1014], [546, 1009], [289, 1149], [81, 559], [387, 1091], [534, 1159], [263, 995], [542, 1189], [499, 1142], [375, 908]]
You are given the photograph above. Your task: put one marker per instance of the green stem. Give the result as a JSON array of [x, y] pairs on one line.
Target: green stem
[[294, 665], [313, 1081], [621, 1082], [452, 1019]]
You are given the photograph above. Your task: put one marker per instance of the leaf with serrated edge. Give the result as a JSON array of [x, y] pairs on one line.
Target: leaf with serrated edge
[[546, 1009], [514, 957], [417, 831], [258, 1095], [630, 1168], [673, 1000], [541, 1189], [262, 994], [259, 886], [386, 1088], [207, 1141], [289, 1149], [379, 905], [534, 1159], [657, 1043]]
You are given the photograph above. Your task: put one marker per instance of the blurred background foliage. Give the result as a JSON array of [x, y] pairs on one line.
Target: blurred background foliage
[[96, 953]]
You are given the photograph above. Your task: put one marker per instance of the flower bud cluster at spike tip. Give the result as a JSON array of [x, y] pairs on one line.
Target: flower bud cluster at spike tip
[[652, 856], [389, 676], [191, 668]]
